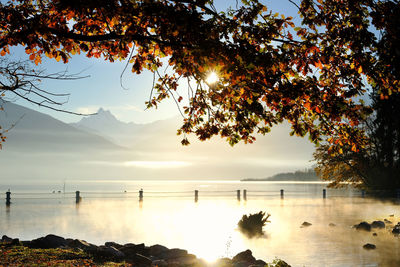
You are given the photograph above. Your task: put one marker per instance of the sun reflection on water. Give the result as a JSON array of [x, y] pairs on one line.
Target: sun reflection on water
[[208, 228]]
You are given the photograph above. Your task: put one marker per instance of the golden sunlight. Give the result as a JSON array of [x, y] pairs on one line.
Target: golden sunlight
[[212, 78]]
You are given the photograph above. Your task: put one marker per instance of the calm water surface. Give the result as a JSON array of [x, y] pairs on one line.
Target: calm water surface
[[169, 215]]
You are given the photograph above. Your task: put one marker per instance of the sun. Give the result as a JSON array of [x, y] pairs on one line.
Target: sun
[[212, 78]]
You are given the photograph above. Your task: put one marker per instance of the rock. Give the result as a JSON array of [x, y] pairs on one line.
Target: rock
[[241, 264], [260, 262], [305, 224], [49, 241], [132, 249], [363, 226], [375, 234], [332, 225], [246, 256], [391, 215], [113, 244], [159, 263], [110, 252], [280, 263], [223, 262], [396, 229], [141, 260], [387, 221], [156, 250], [10, 241], [15, 242], [173, 254], [378, 224], [188, 260], [6, 239], [82, 244], [369, 246]]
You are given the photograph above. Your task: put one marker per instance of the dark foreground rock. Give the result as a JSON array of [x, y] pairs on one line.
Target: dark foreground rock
[[378, 224], [364, 226], [136, 254], [396, 229], [245, 256], [49, 241], [369, 246]]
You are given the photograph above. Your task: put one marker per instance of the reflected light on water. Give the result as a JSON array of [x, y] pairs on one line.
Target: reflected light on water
[[208, 228]]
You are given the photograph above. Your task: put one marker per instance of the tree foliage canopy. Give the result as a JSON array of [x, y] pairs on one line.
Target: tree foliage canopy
[[269, 69], [376, 166]]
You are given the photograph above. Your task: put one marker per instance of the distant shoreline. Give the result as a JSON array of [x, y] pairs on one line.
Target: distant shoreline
[[308, 175]]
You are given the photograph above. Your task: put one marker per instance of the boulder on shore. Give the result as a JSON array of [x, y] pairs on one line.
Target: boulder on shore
[[157, 250], [49, 241], [132, 249], [10, 241], [138, 255], [113, 244], [244, 256], [82, 244]]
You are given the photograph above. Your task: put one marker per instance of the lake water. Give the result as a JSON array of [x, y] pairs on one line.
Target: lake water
[[168, 215]]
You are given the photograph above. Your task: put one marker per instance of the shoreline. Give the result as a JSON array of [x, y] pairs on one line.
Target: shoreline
[[53, 250]]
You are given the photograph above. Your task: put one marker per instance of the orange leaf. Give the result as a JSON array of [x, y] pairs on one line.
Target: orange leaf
[[354, 148], [307, 105]]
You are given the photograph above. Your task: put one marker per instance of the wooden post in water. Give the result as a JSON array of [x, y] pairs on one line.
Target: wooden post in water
[[77, 197], [324, 193], [244, 194], [196, 195], [362, 193], [282, 193], [238, 194], [398, 193], [141, 195], [8, 198]]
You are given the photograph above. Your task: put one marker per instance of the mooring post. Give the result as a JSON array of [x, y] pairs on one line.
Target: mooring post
[[8, 198], [196, 195], [78, 197], [244, 194], [362, 193], [282, 193], [324, 193], [141, 195], [238, 194]]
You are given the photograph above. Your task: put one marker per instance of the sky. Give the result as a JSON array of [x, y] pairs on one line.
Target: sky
[[276, 152], [103, 89]]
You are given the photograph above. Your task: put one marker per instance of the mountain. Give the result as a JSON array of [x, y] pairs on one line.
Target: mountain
[[41, 148], [107, 125], [32, 130], [214, 158]]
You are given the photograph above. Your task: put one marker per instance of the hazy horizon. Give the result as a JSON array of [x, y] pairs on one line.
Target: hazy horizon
[[48, 149]]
